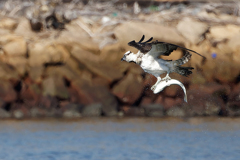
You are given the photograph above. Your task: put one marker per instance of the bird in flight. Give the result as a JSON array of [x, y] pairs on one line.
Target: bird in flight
[[148, 58]]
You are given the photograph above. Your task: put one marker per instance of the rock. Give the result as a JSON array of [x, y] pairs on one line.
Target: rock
[[108, 101], [234, 47], [214, 89], [65, 71], [18, 62], [89, 94], [192, 30], [24, 29], [8, 72], [7, 92], [133, 111], [106, 53], [129, 31], [8, 23], [54, 86], [35, 112], [201, 103], [4, 113], [129, 89], [154, 110], [233, 104], [18, 114], [72, 110], [48, 102], [35, 73], [100, 68], [41, 53], [15, 47], [71, 114], [73, 35], [92, 110], [220, 33], [220, 64], [30, 94], [176, 112], [173, 91], [170, 102]]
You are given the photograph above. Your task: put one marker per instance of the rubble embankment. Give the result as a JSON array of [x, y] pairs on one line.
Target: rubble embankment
[[64, 60]]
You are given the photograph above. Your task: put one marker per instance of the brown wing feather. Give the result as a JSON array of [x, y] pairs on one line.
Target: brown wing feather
[[168, 48], [157, 48]]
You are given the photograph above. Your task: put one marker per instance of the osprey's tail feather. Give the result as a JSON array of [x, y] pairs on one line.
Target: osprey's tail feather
[[183, 60], [184, 71]]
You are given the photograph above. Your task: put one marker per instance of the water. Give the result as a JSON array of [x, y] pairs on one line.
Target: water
[[124, 139]]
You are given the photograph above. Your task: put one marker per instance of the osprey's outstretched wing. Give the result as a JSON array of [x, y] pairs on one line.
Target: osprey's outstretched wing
[[156, 48]]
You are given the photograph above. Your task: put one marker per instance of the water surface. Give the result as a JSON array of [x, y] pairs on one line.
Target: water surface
[[121, 139]]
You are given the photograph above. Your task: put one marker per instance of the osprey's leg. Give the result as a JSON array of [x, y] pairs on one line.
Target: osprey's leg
[[167, 78], [154, 86]]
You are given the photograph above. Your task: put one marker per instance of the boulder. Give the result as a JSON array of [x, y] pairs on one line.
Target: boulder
[[72, 110], [176, 112], [233, 104], [4, 113], [192, 30], [24, 29], [129, 89], [133, 30], [108, 71], [8, 71], [18, 62], [133, 111], [48, 103], [8, 23], [154, 110], [92, 110], [200, 103], [66, 71], [55, 86], [93, 93], [47, 52], [30, 94], [220, 64], [35, 73], [223, 32], [170, 102], [15, 47], [7, 92]]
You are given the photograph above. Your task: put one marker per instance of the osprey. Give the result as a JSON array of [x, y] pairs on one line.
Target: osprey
[[148, 58]]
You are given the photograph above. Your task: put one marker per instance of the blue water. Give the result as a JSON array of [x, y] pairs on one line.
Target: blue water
[[127, 139]]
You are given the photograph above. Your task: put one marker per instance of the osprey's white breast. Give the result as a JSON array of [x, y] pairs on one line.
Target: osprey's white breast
[[153, 66]]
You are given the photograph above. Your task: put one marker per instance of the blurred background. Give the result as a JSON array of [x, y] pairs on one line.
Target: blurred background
[[61, 59]]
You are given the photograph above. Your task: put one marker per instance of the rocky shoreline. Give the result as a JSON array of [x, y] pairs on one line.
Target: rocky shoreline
[[71, 68]]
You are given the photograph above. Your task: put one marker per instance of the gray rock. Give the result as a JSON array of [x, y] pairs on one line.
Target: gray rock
[[72, 110], [92, 110], [176, 112], [71, 114], [154, 110], [4, 113], [18, 114]]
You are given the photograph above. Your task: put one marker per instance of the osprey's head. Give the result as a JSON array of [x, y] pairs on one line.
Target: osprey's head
[[129, 57]]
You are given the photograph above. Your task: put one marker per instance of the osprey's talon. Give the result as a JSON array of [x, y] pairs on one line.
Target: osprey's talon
[[167, 78]]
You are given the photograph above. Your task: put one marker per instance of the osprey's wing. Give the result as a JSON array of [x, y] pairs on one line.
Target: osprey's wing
[[164, 48], [161, 48], [156, 48]]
